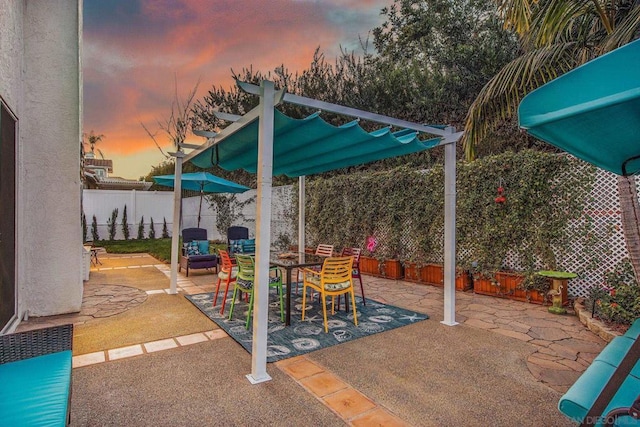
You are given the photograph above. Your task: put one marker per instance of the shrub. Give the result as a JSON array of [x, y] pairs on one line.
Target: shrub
[[152, 230], [84, 227], [112, 223], [141, 229], [618, 301], [125, 224], [94, 229], [165, 229]]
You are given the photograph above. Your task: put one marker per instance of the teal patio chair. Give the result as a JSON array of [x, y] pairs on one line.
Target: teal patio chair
[[245, 283]]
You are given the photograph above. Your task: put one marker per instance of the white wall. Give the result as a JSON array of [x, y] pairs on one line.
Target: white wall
[[41, 82], [159, 205], [148, 204]]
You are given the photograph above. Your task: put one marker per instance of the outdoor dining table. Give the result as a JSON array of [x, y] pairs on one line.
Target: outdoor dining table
[[290, 261]]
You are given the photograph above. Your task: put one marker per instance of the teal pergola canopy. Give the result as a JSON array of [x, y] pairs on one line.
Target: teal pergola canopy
[[592, 112], [311, 145], [267, 142]]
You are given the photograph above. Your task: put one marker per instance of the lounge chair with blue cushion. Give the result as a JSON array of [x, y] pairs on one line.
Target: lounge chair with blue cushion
[[238, 241], [195, 251]]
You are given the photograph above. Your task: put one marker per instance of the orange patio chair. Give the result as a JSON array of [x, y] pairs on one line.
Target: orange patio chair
[[228, 273]]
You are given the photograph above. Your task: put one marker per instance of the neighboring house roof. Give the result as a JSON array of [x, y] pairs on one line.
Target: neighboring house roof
[[101, 163], [97, 179], [114, 183]]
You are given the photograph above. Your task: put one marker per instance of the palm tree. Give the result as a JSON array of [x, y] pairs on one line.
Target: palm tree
[[93, 139], [557, 36]]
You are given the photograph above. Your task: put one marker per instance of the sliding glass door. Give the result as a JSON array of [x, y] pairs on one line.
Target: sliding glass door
[[7, 215]]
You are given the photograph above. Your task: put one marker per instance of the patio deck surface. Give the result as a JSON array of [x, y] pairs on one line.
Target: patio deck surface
[[142, 357]]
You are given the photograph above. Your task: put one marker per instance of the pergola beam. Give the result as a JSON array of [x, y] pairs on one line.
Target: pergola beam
[[447, 136]]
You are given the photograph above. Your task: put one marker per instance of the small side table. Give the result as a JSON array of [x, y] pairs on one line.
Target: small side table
[[559, 291], [94, 256]]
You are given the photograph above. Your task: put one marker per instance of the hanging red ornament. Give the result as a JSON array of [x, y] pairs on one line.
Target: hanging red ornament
[[501, 197]]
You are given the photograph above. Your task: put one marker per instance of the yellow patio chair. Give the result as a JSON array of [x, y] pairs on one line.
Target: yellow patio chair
[[334, 279]]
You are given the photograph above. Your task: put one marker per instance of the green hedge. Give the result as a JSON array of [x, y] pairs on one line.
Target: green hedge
[[404, 210]]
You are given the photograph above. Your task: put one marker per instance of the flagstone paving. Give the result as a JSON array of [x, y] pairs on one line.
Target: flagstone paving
[[562, 346]]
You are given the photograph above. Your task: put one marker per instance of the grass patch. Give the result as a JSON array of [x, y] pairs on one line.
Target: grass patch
[[157, 248]]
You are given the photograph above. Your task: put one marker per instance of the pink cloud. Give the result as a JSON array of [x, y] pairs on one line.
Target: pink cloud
[[135, 52]]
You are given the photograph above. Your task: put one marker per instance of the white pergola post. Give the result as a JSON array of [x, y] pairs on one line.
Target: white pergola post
[[263, 235], [450, 235], [175, 234], [301, 218]]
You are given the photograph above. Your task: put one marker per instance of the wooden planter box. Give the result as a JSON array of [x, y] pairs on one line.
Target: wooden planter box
[[390, 269], [463, 281], [484, 286], [433, 274], [369, 265], [510, 286], [412, 272], [507, 285]]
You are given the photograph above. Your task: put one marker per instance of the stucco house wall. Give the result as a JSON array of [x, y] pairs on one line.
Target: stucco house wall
[[41, 81]]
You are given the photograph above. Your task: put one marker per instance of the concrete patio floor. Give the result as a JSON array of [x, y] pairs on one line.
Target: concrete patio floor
[[417, 375]]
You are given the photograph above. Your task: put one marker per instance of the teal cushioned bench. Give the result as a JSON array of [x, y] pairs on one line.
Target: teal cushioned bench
[[35, 391], [35, 377], [614, 351], [579, 399], [634, 330]]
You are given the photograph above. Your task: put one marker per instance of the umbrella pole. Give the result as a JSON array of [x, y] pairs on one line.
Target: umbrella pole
[[200, 208]]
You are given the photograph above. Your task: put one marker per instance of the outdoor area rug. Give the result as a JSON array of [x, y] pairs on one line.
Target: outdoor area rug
[[305, 336]]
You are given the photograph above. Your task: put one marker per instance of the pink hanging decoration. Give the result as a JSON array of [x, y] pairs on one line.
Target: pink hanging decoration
[[372, 243]]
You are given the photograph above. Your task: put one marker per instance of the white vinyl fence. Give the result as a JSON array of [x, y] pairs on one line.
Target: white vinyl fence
[[158, 205]]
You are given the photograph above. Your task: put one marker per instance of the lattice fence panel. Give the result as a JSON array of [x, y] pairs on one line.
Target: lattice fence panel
[[597, 242]]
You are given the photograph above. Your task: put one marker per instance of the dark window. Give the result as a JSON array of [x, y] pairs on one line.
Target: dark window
[[8, 215]]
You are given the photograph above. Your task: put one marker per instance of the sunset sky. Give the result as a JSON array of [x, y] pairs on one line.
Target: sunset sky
[[135, 50]]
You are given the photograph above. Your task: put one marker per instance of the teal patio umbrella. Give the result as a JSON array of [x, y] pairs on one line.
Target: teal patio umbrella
[[203, 182], [592, 112]]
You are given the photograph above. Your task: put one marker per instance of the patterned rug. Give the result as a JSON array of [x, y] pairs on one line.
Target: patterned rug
[[305, 336]]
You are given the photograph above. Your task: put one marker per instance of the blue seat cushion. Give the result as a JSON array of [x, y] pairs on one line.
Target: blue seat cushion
[[191, 248], [203, 247], [580, 397], [248, 246], [235, 246], [615, 351], [35, 391]]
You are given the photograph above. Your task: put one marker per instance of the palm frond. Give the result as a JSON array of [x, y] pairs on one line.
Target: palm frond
[[627, 30], [499, 98], [516, 14], [556, 21]]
